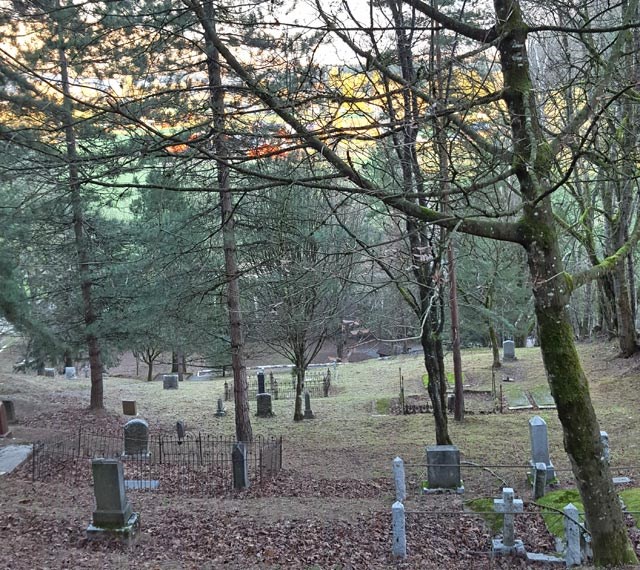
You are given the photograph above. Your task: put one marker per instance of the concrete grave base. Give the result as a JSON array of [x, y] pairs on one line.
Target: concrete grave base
[[457, 490], [621, 480], [499, 549], [544, 558], [125, 533]]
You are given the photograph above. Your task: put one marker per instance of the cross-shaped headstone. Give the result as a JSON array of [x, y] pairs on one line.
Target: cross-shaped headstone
[[508, 506]]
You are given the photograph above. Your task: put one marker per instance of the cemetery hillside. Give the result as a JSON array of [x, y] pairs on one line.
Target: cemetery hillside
[[317, 284], [326, 502]]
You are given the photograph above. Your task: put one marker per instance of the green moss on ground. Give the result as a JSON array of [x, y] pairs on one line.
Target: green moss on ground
[[556, 501], [383, 405], [484, 506], [631, 499]]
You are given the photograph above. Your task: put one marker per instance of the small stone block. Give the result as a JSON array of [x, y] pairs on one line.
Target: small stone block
[[145, 484], [498, 548], [11, 410], [170, 381], [50, 372], [544, 558], [129, 408], [126, 533], [621, 480], [70, 372]]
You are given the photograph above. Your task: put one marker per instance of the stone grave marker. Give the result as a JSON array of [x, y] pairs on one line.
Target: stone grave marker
[[265, 409], [508, 350], [275, 389], [136, 438], [399, 549], [261, 389], [508, 506], [170, 381], [220, 412], [443, 469], [50, 372], [606, 454], [70, 372], [129, 408], [4, 422], [240, 466], [114, 514], [540, 446], [11, 411], [308, 414], [399, 479], [181, 430], [572, 533]]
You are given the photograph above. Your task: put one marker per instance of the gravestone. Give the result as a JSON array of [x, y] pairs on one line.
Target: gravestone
[[136, 438], [240, 466], [539, 480], [4, 422], [572, 534], [308, 414], [265, 409], [399, 549], [220, 412], [275, 389], [181, 430], [261, 389], [85, 371], [50, 372], [606, 454], [508, 350], [399, 478], [443, 468], [540, 446], [11, 411], [70, 372], [113, 514], [170, 381], [508, 506], [129, 408]]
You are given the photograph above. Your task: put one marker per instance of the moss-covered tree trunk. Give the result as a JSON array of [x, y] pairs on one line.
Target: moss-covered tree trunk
[[532, 162]]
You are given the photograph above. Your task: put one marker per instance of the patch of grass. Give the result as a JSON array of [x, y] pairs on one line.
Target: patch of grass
[[451, 379], [484, 506], [631, 498], [383, 405], [556, 501], [515, 396]]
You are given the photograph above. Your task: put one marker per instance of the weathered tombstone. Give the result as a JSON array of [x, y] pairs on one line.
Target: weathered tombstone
[[443, 468], [181, 430], [451, 403], [398, 476], [70, 372], [129, 408], [572, 532], [508, 506], [540, 446], [227, 395], [261, 389], [240, 466], [264, 406], [308, 413], [508, 350], [170, 381], [275, 389], [399, 549], [50, 372], [539, 480], [604, 439], [136, 438], [220, 412], [85, 371], [113, 514], [4, 422], [11, 410]]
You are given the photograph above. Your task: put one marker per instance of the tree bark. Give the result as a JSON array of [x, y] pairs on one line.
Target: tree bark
[[240, 386], [82, 248]]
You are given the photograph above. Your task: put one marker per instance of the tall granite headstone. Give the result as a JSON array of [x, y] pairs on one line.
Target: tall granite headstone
[[261, 389], [540, 446], [508, 350], [265, 409]]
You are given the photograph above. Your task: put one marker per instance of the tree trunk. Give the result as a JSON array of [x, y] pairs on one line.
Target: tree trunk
[[216, 94], [495, 349], [455, 335], [150, 370], [552, 290], [298, 414], [437, 386], [82, 247]]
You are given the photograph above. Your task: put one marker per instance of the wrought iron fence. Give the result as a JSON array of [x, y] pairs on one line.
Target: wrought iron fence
[[197, 463], [319, 384]]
